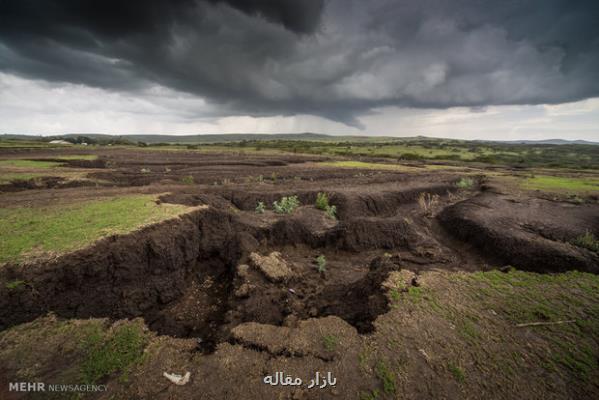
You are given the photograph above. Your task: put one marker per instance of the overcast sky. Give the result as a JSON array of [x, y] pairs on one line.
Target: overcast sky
[[509, 69]]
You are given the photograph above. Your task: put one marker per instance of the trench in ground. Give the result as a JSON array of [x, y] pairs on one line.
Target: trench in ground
[[214, 301]]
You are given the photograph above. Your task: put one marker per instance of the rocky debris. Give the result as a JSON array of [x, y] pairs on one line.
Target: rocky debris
[[243, 271], [272, 266], [244, 290]]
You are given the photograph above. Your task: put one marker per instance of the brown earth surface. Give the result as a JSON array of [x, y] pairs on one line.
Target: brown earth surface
[[207, 307]]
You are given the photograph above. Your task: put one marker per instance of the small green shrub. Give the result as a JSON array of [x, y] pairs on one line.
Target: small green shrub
[[188, 180], [587, 241], [286, 205], [465, 183], [260, 207], [321, 263], [331, 211], [322, 201], [457, 372]]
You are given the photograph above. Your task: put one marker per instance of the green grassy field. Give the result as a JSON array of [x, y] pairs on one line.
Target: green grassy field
[[26, 231], [503, 324], [389, 167], [519, 155], [29, 164], [566, 184]]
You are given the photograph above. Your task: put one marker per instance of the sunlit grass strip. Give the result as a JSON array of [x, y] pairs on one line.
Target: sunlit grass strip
[[29, 232], [367, 165], [29, 164], [7, 177], [556, 183], [89, 157]]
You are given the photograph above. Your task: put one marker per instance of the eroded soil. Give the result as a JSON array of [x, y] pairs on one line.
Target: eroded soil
[[210, 308]]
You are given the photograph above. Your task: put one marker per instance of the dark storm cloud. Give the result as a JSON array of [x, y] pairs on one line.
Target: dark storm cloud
[[339, 60]]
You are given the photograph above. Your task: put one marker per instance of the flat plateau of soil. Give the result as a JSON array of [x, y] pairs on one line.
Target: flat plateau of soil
[[433, 283]]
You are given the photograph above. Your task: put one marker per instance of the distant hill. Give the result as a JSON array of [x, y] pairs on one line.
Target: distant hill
[[213, 138], [548, 141], [237, 137]]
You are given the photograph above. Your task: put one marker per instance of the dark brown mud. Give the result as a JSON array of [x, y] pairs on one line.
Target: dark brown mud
[[527, 233], [181, 277]]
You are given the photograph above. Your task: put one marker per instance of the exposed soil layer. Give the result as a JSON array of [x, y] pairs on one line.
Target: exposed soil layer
[[182, 277], [205, 275], [529, 233]]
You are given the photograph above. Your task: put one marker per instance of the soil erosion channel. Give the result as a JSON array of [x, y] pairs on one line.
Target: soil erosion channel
[[222, 264]]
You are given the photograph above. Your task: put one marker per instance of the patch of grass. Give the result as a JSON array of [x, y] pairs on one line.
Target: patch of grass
[[111, 353], [260, 207], [468, 329], [16, 284], [523, 297], [415, 293], [26, 231], [321, 263], [465, 183], [457, 372], [286, 205], [187, 180], [330, 342], [395, 294], [369, 165], [386, 376], [29, 164], [7, 177], [587, 241], [561, 184], [580, 361]]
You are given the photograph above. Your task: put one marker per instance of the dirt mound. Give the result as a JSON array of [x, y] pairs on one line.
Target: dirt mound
[[45, 182], [532, 234], [305, 339]]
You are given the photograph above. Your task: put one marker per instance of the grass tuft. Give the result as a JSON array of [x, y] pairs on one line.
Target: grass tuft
[[457, 372], [386, 376], [587, 241], [321, 263]]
